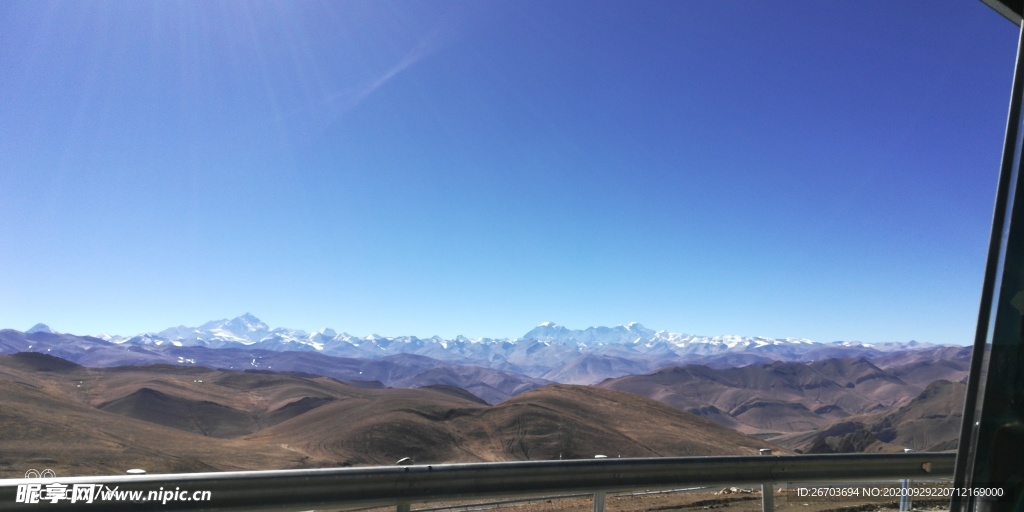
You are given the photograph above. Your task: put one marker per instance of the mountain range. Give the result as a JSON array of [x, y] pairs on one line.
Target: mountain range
[[548, 351], [796, 392]]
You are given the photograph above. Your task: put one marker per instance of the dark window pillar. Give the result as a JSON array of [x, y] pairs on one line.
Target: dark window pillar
[[991, 452]]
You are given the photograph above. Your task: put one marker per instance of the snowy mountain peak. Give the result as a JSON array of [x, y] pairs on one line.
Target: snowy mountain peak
[[40, 328], [246, 326], [637, 328], [620, 334], [249, 323], [547, 331], [327, 332]]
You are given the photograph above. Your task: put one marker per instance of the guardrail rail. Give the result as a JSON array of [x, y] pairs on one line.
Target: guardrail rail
[[400, 486]]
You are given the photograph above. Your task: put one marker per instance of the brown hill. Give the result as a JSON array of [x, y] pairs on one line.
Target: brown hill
[[200, 416], [652, 428], [164, 418], [930, 422], [788, 398], [922, 373], [555, 421], [379, 427], [778, 397], [865, 377], [457, 392], [35, 361], [47, 423]]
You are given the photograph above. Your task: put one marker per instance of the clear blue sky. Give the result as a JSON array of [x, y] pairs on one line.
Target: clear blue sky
[[789, 169]]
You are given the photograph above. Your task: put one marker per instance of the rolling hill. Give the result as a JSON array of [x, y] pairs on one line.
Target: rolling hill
[[166, 418], [48, 423], [929, 422], [774, 398], [548, 423]]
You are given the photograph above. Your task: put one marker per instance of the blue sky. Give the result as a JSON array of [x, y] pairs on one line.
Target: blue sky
[[785, 169]]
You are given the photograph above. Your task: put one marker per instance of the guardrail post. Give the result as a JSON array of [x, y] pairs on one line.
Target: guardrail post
[[599, 501], [767, 491], [906, 505]]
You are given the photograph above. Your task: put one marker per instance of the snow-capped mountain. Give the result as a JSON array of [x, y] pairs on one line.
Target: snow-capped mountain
[[41, 328], [535, 353], [248, 330], [548, 351], [620, 334]]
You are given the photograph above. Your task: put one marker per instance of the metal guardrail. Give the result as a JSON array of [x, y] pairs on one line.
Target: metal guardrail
[[306, 489]]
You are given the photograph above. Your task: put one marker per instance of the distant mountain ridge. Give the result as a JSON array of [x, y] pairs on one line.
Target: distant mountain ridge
[[247, 329], [40, 328], [548, 351]]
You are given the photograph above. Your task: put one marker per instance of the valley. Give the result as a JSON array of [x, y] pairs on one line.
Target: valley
[[89, 405], [79, 420]]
